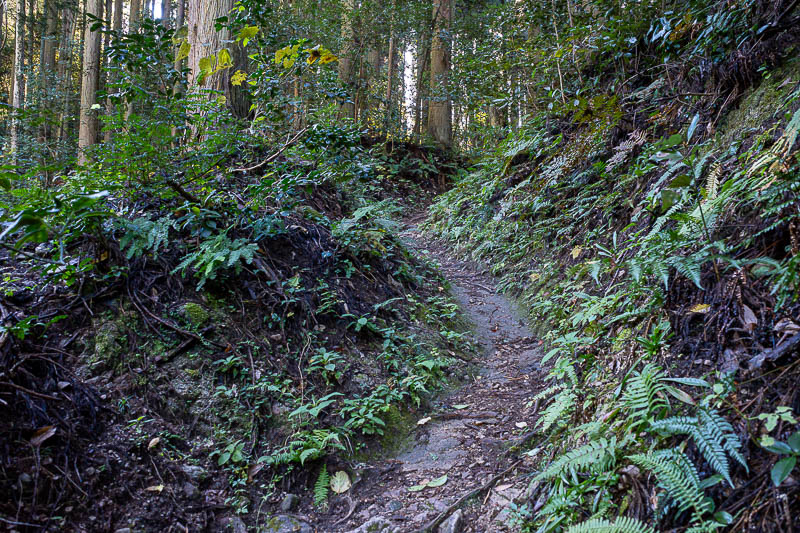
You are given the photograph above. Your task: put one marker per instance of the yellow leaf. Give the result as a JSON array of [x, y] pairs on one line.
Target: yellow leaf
[[576, 251], [183, 51], [700, 308], [153, 443], [327, 57], [238, 77], [224, 59], [155, 488]]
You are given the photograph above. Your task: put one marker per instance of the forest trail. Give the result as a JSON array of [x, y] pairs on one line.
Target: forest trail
[[469, 431]]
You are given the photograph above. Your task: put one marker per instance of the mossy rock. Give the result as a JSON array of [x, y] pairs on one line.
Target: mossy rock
[[196, 314]]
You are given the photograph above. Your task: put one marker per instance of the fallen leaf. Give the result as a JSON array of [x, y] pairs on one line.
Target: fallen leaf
[[460, 406], [749, 319], [155, 488], [153, 443], [785, 325], [42, 434], [438, 482], [501, 488], [340, 482], [416, 488], [576, 251], [521, 424], [423, 421], [253, 470], [700, 308]]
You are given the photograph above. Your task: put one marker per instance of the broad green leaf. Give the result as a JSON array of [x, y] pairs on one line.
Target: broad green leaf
[[782, 469], [416, 488], [794, 442]]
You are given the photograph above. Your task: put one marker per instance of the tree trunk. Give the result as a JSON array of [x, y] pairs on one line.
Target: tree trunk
[[206, 41], [63, 77], [47, 61], [19, 78], [346, 63], [420, 102], [87, 134], [116, 25], [440, 107], [134, 16], [166, 12]]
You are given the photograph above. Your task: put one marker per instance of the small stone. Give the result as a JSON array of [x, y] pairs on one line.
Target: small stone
[[286, 524], [123, 530], [289, 502], [90, 471], [234, 524], [195, 473], [377, 524], [394, 506], [454, 523], [190, 490]]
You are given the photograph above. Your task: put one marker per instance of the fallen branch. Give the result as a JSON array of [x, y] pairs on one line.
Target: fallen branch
[[433, 524], [274, 156], [774, 353]]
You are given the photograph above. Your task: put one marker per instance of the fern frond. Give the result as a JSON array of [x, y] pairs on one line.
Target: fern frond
[[321, 488], [558, 411], [712, 180], [598, 456], [708, 442], [644, 393], [713, 423], [623, 524], [677, 475]]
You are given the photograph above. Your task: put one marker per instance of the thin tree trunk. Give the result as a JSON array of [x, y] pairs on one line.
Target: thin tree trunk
[[64, 62], [420, 102], [346, 66], [440, 125], [87, 134], [166, 12], [134, 16], [47, 61], [19, 78]]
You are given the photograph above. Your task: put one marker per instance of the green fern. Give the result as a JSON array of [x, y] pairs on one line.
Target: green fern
[[558, 411], [597, 456], [142, 235], [678, 476], [321, 488], [215, 254], [712, 435], [623, 524], [645, 394]]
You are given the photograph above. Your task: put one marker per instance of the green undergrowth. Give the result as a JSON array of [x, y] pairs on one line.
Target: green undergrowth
[[260, 327], [624, 252]]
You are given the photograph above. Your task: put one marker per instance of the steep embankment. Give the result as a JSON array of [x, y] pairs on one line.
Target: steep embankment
[[171, 362], [652, 235]]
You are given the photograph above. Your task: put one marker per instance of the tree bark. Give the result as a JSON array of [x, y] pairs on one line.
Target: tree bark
[[87, 134], [420, 102], [440, 107], [205, 41], [68, 17], [166, 12], [134, 16], [19, 78], [346, 63]]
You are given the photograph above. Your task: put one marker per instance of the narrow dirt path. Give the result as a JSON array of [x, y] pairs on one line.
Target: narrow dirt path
[[467, 436]]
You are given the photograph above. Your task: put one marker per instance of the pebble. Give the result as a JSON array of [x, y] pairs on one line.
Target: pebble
[[454, 524], [289, 502]]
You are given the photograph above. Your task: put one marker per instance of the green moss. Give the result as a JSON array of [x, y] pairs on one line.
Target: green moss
[[196, 314]]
